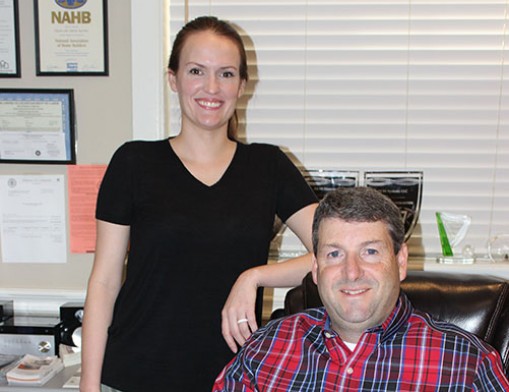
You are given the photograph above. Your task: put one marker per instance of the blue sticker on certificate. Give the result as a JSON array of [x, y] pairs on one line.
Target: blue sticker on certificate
[[37, 126]]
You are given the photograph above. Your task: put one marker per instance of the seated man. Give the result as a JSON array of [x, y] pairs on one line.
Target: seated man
[[367, 337]]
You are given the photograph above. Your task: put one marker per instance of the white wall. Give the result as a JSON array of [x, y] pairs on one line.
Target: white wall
[[105, 119]]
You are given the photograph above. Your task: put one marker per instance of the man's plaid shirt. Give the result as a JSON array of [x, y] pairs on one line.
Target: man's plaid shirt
[[408, 352]]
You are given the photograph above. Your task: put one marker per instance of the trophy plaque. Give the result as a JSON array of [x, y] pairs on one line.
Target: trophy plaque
[[323, 181], [404, 188], [452, 229]]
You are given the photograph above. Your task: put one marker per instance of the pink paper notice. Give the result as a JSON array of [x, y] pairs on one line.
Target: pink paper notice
[[83, 185]]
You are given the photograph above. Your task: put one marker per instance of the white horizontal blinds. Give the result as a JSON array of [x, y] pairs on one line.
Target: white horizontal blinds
[[455, 80], [384, 85]]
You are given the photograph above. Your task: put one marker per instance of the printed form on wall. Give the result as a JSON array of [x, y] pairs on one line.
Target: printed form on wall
[[33, 219]]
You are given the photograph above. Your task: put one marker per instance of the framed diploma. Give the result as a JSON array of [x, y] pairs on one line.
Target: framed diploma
[[37, 126], [9, 39], [71, 37]]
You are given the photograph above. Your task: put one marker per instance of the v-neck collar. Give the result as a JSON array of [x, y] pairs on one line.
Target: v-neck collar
[[194, 178]]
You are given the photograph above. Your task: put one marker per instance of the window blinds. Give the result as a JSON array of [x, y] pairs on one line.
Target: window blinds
[[382, 85]]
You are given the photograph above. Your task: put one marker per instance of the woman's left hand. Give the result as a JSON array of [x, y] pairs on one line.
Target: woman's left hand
[[238, 314]]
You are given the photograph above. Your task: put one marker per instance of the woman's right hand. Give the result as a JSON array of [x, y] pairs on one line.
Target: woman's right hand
[[240, 306]]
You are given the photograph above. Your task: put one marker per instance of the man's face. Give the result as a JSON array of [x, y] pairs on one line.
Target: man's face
[[357, 273]]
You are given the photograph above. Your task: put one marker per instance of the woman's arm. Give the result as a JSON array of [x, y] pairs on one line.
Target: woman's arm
[[241, 300], [103, 287]]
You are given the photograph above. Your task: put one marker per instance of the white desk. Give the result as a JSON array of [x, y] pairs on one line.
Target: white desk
[[53, 385], [481, 267]]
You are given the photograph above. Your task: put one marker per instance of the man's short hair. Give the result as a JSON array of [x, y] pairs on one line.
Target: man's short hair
[[360, 204]]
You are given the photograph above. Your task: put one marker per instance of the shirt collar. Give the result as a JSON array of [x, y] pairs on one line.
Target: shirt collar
[[398, 318]]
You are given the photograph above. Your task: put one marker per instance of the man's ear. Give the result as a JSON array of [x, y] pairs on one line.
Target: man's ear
[[402, 259], [172, 81], [314, 269]]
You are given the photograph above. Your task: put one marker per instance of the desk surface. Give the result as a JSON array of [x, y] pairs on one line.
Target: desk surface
[[53, 385], [481, 267]]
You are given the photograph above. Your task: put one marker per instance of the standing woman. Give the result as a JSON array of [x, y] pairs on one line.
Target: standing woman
[[195, 213]]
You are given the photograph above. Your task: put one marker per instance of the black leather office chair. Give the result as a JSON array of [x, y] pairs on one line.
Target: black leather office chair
[[476, 303]]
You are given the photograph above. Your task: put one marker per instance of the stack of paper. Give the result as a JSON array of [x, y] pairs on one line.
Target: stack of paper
[[69, 355], [7, 362], [34, 370]]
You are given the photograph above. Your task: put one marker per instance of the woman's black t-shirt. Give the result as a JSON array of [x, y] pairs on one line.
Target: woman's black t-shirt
[[188, 244]]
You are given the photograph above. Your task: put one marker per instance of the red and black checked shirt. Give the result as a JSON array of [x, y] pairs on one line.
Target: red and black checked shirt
[[408, 352]]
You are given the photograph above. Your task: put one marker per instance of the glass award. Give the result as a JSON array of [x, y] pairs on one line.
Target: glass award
[[404, 189], [452, 229], [498, 248], [323, 181]]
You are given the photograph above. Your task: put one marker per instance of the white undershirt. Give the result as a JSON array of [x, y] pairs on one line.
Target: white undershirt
[[351, 346]]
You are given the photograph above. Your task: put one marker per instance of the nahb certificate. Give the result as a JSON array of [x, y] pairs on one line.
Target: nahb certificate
[[32, 219], [71, 36]]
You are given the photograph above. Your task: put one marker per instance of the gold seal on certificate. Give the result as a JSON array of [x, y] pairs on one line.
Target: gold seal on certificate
[[71, 37], [404, 189]]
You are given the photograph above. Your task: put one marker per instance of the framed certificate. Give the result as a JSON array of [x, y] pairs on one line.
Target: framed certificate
[[71, 37], [37, 126], [9, 39]]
